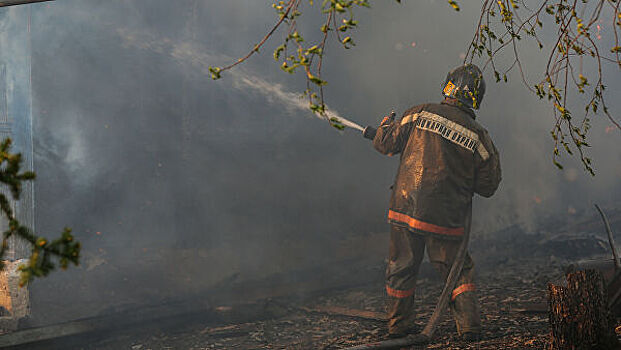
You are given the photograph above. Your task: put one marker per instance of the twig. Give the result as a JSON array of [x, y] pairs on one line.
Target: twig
[[267, 36], [611, 239]]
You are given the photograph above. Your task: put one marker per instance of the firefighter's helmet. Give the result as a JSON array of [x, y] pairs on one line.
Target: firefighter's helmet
[[466, 84]]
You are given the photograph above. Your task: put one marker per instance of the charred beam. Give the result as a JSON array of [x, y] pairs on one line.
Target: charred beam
[[19, 2], [174, 315], [347, 312]]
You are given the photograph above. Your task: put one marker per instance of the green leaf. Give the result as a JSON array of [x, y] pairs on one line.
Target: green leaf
[[454, 5], [336, 123], [313, 50], [315, 80], [278, 51], [215, 72], [347, 41]]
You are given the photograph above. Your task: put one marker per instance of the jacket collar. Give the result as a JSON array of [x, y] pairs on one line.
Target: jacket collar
[[457, 104]]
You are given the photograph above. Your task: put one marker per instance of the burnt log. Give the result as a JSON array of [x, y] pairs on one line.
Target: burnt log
[[579, 315], [19, 2]]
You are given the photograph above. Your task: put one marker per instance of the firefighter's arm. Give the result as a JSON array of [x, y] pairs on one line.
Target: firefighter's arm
[[488, 175], [391, 137]]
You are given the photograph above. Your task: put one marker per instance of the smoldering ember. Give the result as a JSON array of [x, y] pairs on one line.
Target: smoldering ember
[[294, 174]]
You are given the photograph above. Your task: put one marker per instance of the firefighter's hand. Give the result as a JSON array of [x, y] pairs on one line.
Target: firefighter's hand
[[369, 132], [386, 121]]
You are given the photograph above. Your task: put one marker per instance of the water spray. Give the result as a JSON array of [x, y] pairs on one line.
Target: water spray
[[368, 132], [193, 55], [346, 123]]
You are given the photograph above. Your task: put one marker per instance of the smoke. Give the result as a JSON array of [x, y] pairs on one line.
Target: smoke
[[519, 123], [190, 54], [174, 182]]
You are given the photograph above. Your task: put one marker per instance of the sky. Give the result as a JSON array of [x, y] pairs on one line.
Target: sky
[[151, 162]]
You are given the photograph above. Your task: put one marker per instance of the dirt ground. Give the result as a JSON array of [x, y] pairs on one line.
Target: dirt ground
[[511, 296], [513, 271]]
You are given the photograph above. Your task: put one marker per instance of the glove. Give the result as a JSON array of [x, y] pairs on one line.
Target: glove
[[369, 132]]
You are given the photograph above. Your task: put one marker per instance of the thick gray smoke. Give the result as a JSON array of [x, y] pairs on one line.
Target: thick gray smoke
[[173, 181]]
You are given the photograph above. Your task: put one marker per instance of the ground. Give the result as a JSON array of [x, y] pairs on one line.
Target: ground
[[332, 306], [506, 294]]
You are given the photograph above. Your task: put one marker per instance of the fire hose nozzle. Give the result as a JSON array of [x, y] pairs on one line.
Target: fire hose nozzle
[[369, 132]]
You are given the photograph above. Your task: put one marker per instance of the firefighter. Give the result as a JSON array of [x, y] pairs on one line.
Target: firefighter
[[445, 157]]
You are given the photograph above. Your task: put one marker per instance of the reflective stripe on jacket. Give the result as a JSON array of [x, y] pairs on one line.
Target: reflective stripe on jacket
[[446, 156]]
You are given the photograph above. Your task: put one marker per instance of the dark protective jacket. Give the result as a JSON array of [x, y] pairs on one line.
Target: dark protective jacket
[[446, 157]]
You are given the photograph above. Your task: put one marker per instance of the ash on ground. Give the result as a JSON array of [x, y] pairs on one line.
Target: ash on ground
[[513, 272]]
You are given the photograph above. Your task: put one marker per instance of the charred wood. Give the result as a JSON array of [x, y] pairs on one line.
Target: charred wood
[[579, 316], [20, 2], [346, 312]]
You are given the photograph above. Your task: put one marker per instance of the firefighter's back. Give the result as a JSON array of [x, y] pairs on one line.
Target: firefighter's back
[[436, 177]]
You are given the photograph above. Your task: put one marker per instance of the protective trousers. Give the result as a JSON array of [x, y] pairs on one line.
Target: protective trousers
[[406, 254]]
